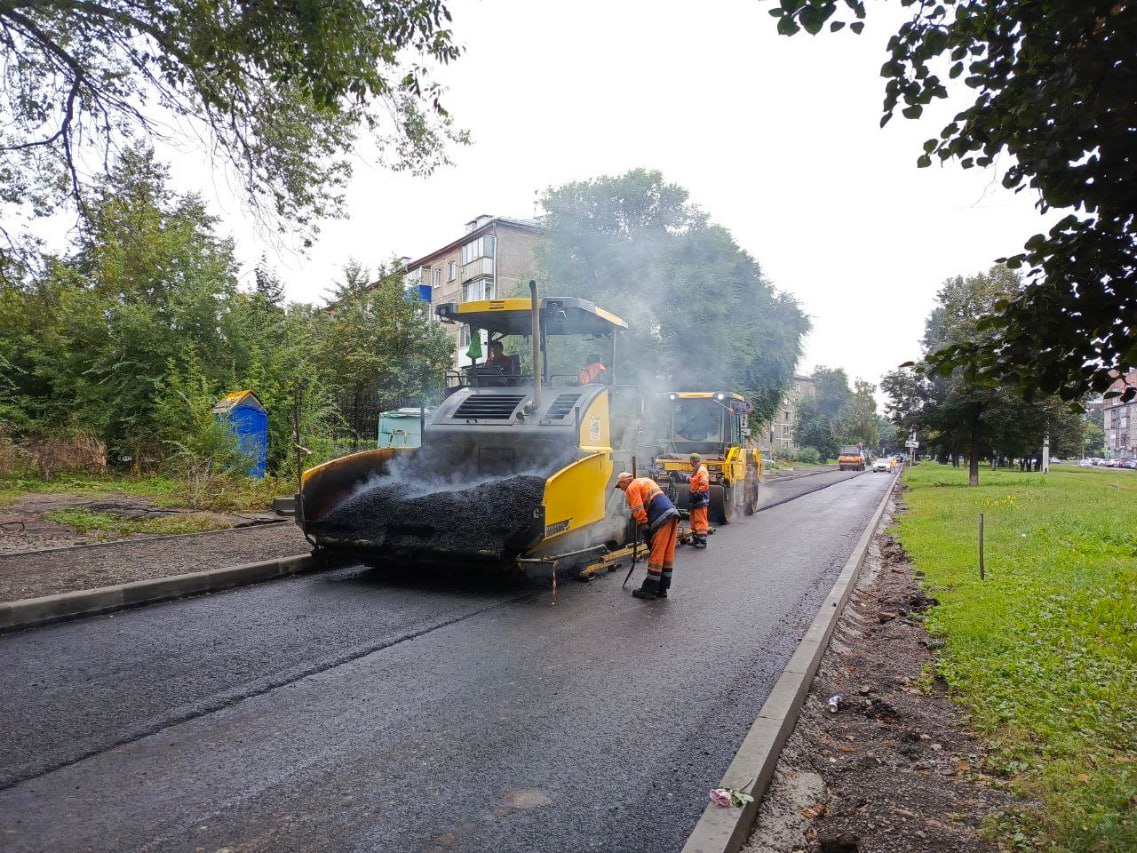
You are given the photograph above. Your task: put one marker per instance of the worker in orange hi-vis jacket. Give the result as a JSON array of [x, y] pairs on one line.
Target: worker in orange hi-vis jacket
[[593, 371], [700, 501], [655, 512]]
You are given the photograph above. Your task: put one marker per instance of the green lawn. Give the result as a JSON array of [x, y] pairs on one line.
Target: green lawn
[[1043, 652]]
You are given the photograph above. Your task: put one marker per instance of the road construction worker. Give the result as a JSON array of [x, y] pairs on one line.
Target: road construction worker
[[593, 370], [699, 501], [653, 510], [497, 356]]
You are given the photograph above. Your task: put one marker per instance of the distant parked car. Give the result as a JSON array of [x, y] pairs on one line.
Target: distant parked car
[[883, 464], [1129, 463], [1085, 463]]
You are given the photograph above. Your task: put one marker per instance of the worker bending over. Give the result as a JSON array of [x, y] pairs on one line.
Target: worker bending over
[[699, 501], [652, 509]]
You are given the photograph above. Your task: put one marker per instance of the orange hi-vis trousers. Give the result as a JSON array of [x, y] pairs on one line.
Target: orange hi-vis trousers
[[661, 560], [699, 524]]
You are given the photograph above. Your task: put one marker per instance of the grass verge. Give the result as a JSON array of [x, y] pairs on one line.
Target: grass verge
[[106, 525], [1043, 652], [221, 494]]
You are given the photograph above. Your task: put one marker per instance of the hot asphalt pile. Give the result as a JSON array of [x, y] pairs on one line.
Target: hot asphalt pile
[[495, 519]]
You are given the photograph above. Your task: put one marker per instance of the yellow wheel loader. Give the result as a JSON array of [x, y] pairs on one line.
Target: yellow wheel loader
[[712, 424], [517, 464]]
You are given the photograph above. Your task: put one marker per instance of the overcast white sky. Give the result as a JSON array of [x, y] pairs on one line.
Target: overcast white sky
[[776, 138]]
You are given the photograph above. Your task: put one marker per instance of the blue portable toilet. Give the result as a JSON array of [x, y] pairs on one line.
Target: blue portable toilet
[[248, 419], [401, 427]]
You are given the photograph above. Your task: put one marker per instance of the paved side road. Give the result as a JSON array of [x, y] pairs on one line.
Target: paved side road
[[353, 710]]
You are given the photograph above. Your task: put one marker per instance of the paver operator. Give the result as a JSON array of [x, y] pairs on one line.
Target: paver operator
[[700, 501], [593, 371], [653, 510]]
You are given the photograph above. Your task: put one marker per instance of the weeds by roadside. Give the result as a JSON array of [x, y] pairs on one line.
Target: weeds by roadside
[[111, 526], [1043, 653]]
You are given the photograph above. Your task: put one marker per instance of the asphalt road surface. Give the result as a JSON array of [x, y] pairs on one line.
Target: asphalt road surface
[[354, 710]]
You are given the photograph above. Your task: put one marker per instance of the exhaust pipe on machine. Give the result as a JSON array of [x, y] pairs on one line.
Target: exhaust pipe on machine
[[536, 303]]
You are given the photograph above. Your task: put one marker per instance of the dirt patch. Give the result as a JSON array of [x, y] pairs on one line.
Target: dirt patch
[[40, 573], [25, 524], [893, 770]]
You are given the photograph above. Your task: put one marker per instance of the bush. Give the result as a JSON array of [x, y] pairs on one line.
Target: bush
[[75, 452], [13, 458], [808, 456]]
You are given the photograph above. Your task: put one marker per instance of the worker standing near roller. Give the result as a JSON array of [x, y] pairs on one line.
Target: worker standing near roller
[[653, 510], [699, 501]]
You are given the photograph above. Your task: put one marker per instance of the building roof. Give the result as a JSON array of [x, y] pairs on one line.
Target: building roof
[[488, 225]]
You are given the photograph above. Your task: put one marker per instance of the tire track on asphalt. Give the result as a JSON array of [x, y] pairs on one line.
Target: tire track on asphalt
[[228, 698]]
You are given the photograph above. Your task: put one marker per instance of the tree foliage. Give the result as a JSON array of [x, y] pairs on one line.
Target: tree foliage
[[283, 92], [834, 415], [702, 315], [133, 335], [378, 348], [1053, 83], [958, 416]]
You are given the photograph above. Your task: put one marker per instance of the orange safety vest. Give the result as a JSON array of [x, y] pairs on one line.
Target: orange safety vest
[[590, 373], [700, 480], [640, 493]]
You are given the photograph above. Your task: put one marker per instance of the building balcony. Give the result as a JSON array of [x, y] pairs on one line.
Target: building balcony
[[477, 267]]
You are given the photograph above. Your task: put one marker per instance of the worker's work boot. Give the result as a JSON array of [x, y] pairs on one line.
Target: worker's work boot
[[649, 591]]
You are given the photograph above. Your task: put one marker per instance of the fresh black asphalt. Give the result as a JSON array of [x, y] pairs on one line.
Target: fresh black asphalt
[[356, 710]]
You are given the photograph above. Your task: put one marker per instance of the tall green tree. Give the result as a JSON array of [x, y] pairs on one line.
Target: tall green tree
[[1053, 84], [283, 92], [858, 419], [962, 413], [835, 414], [378, 347], [701, 313]]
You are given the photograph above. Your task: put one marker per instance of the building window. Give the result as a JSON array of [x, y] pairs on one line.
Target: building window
[[483, 247], [438, 277], [482, 288], [464, 338], [452, 271]]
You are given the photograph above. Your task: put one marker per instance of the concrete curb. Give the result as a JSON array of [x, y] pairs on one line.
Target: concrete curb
[[725, 830], [32, 612]]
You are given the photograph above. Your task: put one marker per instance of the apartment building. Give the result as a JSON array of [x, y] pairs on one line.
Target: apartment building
[[493, 259], [1120, 422], [781, 428]]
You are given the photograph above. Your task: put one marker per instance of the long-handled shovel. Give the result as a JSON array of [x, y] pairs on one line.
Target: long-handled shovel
[[635, 555], [635, 541]]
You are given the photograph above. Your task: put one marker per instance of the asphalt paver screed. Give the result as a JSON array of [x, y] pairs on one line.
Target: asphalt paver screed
[[494, 519]]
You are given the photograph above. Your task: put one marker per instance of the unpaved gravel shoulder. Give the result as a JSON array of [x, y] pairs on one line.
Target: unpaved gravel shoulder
[[39, 573], [893, 771]]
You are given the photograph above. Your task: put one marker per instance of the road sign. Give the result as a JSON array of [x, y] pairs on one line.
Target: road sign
[[912, 443]]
